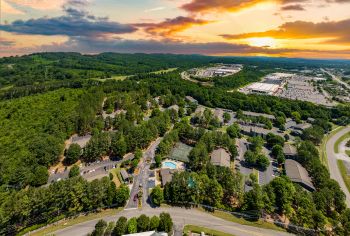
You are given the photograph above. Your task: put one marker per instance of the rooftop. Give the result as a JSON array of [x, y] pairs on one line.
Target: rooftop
[[167, 175], [298, 174], [220, 157], [289, 150], [255, 114]]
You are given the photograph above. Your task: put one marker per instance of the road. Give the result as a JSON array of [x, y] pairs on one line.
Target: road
[[332, 162], [181, 217], [141, 180], [336, 78]]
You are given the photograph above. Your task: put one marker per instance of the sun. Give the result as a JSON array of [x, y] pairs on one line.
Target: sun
[[262, 42]]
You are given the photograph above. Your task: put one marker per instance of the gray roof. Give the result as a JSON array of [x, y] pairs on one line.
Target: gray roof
[[124, 174], [191, 99], [258, 130], [254, 114], [167, 175], [289, 150], [302, 126], [298, 174], [220, 157]]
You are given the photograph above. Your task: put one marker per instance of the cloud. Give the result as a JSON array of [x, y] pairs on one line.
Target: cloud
[[155, 9], [9, 9], [205, 6], [170, 27], [339, 31], [74, 23], [92, 46], [40, 4], [6, 43], [295, 7]]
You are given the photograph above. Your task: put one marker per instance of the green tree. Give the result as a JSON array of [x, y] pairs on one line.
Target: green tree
[[120, 227], [296, 116], [119, 146], [165, 223], [227, 117], [74, 171], [122, 195], [40, 176], [143, 223], [132, 225], [157, 196], [73, 154], [154, 223], [100, 228], [109, 229], [234, 131], [273, 140]]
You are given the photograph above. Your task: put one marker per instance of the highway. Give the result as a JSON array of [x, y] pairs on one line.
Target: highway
[[181, 217], [334, 77], [332, 162]]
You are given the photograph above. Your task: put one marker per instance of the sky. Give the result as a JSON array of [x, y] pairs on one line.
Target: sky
[[278, 28]]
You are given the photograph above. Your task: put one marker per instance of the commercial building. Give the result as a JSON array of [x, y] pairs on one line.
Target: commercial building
[[149, 233], [264, 88], [298, 174]]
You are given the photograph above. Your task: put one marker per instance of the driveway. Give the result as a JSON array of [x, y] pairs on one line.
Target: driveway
[[141, 180], [332, 162], [181, 217]]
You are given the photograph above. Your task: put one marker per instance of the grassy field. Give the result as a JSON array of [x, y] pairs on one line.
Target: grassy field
[[232, 218], [344, 173], [66, 223], [197, 229], [341, 139], [164, 71]]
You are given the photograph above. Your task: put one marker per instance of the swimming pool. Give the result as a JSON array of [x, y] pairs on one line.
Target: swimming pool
[[169, 164]]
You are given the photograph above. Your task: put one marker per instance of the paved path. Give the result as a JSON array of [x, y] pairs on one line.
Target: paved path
[[181, 217], [332, 162]]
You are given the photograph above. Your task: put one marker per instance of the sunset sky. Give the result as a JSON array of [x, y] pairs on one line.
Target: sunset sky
[[288, 28]]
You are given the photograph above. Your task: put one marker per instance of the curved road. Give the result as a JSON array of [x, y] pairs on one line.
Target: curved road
[[181, 217], [332, 162]]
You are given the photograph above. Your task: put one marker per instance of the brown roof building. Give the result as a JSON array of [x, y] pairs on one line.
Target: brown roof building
[[298, 174], [167, 175], [220, 157], [290, 151]]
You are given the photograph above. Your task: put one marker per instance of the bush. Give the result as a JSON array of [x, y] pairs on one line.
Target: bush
[[74, 171]]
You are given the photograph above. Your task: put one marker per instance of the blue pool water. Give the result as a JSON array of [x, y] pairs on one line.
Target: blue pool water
[[169, 164]]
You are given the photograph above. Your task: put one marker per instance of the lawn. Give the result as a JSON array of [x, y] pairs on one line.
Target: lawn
[[232, 218], [198, 229], [339, 141], [322, 147], [344, 173], [77, 220], [180, 152], [347, 152]]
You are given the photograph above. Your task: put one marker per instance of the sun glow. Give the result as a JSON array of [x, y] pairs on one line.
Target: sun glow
[[262, 42]]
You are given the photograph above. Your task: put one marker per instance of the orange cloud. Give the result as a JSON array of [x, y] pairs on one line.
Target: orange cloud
[[169, 27], [205, 6], [335, 31]]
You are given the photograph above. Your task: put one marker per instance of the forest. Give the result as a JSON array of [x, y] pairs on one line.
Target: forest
[[45, 98]]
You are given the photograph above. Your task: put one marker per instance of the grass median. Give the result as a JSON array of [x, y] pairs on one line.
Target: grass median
[[242, 221], [198, 229], [344, 173], [322, 147], [339, 141]]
